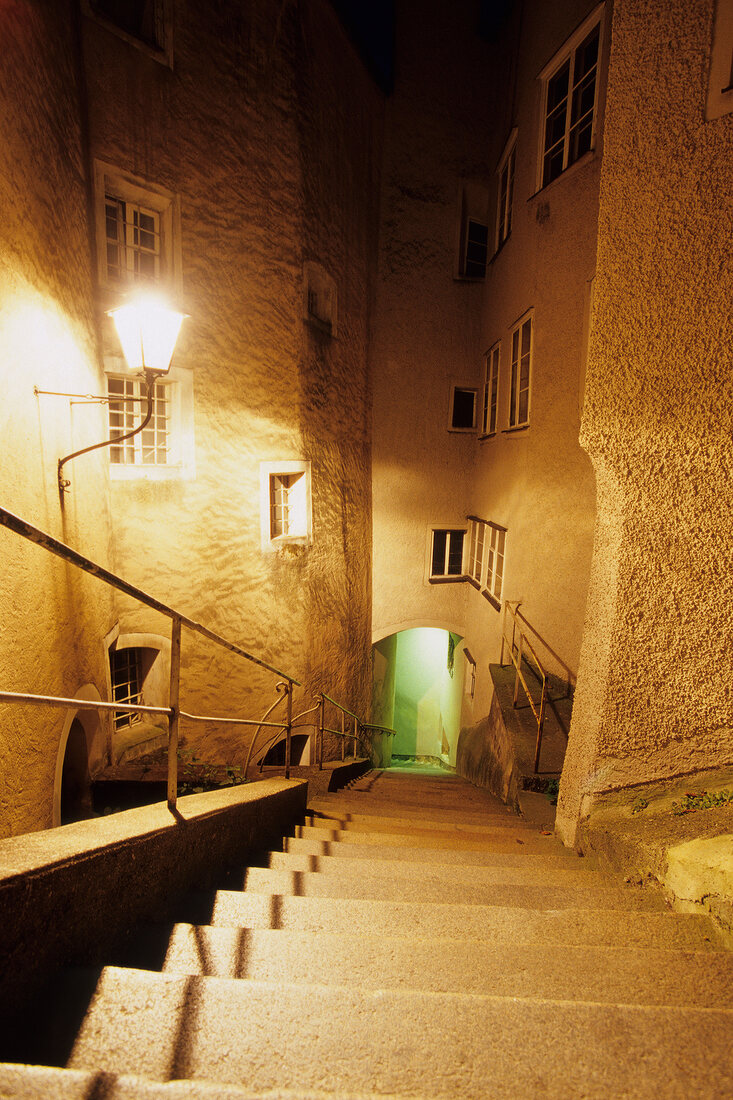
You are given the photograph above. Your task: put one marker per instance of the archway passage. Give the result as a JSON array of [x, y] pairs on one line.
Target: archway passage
[[276, 754], [418, 691], [76, 788]]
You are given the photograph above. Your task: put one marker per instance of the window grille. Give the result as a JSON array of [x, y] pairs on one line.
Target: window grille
[[126, 675], [133, 241], [127, 407]]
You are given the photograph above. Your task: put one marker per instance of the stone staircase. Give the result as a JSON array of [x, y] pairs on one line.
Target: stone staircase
[[414, 938]]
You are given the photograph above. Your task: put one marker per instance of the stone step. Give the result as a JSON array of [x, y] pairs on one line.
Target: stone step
[[372, 823], [409, 871], [267, 1034], [355, 916], [526, 841], [567, 972], [510, 854], [434, 888], [21, 1082], [418, 811]]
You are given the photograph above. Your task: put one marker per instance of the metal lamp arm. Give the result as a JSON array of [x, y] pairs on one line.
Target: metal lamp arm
[[149, 390]]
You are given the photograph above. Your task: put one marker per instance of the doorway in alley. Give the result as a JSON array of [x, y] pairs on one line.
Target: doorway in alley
[[417, 690]]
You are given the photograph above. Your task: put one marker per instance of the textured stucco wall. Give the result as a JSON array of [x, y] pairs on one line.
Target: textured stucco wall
[[268, 130], [654, 689], [53, 618], [426, 333]]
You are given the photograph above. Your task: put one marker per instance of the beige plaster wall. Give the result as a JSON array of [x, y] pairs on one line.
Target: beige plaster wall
[[53, 618], [537, 482], [267, 128], [427, 324], [654, 689]]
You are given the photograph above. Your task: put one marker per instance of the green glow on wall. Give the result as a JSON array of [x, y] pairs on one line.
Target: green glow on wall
[[427, 700]]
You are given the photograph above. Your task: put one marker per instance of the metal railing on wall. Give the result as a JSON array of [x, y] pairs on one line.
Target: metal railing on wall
[[173, 713], [522, 650]]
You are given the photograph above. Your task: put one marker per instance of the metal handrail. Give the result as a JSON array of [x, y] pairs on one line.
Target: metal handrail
[[516, 653], [296, 725]]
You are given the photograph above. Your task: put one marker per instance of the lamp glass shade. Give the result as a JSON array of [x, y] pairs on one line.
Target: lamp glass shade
[[148, 331]]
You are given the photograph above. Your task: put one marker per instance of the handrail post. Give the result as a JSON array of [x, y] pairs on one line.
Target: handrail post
[[540, 724], [173, 720], [503, 633], [289, 730], [356, 735], [518, 669], [343, 736], [322, 722]]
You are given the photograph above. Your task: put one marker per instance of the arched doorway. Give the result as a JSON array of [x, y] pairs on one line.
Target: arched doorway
[[76, 787]]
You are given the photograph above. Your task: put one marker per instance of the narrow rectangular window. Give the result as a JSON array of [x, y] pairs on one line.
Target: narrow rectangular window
[[141, 19], [133, 241], [447, 553], [477, 563], [491, 392], [287, 505], [476, 249], [521, 350], [126, 676], [506, 194], [463, 409], [495, 564], [570, 98], [127, 407]]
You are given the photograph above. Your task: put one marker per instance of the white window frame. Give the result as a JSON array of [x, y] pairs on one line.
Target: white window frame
[[163, 51], [516, 360], [111, 182], [449, 529], [464, 389], [720, 81], [301, 529], [490, 408], [476, 550], [505, 192], [567, 53], [495, 564]]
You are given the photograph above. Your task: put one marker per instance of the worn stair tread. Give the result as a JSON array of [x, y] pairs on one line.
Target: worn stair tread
[[485, 856], [531, 840], [418, 827], [482, 922], [406, 870], [434, 888], [613, 974], [24, 1082], [458, 1045], [449, 816]]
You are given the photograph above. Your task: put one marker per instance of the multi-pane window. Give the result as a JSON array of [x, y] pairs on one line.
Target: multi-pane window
[[475, 251], [521, 348], [127, 408], [447, 553], [491, 392], [570, 105], [126, 675], [287, 505], [495, 563], [506, 195], [133, 241]]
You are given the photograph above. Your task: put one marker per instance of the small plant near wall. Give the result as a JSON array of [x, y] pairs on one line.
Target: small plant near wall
[[197, 776], [702, 800], [638, 805], [552, 790]]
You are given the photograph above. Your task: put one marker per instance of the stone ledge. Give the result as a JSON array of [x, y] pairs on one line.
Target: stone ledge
[[67, 894]]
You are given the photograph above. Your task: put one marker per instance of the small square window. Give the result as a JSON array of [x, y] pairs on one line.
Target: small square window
[[463, 409], [285, 504], [446, 558], [145, 24]]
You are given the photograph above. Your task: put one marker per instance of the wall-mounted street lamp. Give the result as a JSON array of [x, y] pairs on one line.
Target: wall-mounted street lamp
[[148, 330]]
